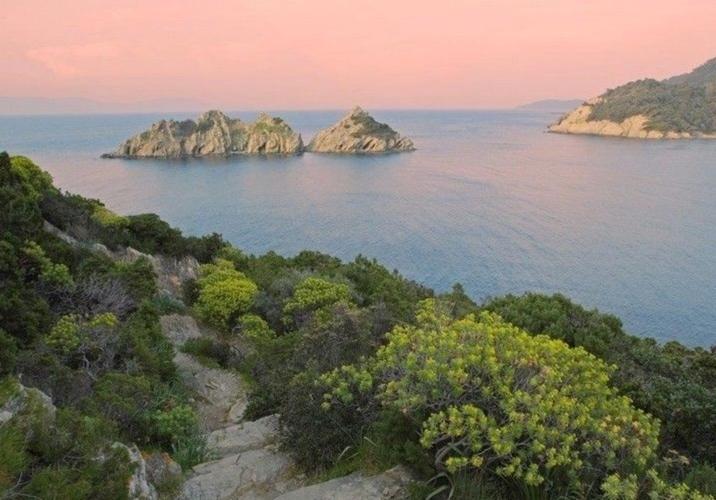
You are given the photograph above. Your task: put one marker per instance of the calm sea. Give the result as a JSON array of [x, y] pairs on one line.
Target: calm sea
[[488, 200]]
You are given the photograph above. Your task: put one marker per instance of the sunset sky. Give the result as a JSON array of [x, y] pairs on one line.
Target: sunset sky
[[289, 54]]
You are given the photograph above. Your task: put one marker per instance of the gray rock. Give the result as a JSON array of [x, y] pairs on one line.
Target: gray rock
[[171, 272], [28, 400], [213, 134], [253, 474], [161, 469], [359, 133], [390, 484], [218, 390], [59, 233], [139, 487], [179, 328], [245, 436]]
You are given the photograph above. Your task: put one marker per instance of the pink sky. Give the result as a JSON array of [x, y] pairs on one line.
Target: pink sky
[[286, 54]]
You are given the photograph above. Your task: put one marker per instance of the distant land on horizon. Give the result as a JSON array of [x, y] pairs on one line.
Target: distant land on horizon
[[551, 105], [10, 105]]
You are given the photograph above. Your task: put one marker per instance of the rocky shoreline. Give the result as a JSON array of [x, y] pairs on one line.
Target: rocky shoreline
[[578, 122]]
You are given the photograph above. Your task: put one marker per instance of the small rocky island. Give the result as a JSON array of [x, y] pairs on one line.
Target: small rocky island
[[681, 107], [359, 133], [212, 134]]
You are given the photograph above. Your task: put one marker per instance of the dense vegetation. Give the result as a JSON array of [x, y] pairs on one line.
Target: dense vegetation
[[686, 103], [83, 329], [520, 397]]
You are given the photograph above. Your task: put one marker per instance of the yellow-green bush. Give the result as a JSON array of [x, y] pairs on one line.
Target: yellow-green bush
[[314, 295], [493, 398], [224, 293], [57, 274]]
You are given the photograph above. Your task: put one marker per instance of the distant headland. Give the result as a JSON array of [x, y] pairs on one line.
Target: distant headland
[[681, 107], [215, 134]]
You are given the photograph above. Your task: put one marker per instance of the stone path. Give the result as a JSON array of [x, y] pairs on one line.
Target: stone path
[[247, 463]]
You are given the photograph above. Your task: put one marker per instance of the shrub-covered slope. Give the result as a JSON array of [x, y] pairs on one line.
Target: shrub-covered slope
[[519, 397], [681, 106]]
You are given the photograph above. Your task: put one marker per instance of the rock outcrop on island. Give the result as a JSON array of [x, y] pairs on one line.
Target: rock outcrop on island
[[212, 134], [359, 133], [681, 107]]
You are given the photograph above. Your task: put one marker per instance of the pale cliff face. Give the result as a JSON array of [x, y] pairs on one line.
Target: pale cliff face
[[359, 133], [213, 134], [634, 127]]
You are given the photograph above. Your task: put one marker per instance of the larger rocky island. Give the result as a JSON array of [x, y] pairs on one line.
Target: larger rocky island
[[681, 107], [213, 134], [359, 133]]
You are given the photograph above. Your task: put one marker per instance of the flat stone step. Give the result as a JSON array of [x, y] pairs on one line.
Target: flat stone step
[[391, 484], [245, 436], [262, 474]]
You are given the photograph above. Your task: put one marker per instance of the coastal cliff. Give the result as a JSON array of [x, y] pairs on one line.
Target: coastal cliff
[[681, 107], [212, 134], [359, 133], [580, 121]]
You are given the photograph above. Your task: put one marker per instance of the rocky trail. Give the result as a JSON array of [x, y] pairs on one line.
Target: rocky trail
[[246, 462]]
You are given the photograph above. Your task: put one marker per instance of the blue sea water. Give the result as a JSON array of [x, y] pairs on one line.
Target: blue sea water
[[488, 200]]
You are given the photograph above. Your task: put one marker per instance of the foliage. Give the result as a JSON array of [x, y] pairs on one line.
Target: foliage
[[446, 389], [13, 458], [255, 328], [678, 107], [312, 295], [174, 424], [190, 451], [210, 352], [8, 353], [224, 294], [57, 274], [491, 396], [702, 478], [671, 382]]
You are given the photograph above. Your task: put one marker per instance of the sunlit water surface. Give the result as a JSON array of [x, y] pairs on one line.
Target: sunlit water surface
[[488, 200]]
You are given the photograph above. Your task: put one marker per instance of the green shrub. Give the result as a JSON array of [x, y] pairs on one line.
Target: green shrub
[[126, 400], [56, 483], [255, 328], [490, 395], [8, 353], [174, 424], [13, 458], [313, 295], [224, 294], [674, 383], [702, 478], [138, 276], [210, 352], [190, 451]]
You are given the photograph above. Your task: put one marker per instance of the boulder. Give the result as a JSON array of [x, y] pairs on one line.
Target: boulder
[[359, 133], [22, 401], [161, 469], [179, 328], [139, 486], [264, 473], [391, 484], [213, 134]]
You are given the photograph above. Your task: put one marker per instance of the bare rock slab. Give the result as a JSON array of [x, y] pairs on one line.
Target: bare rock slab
[[390, 484]]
